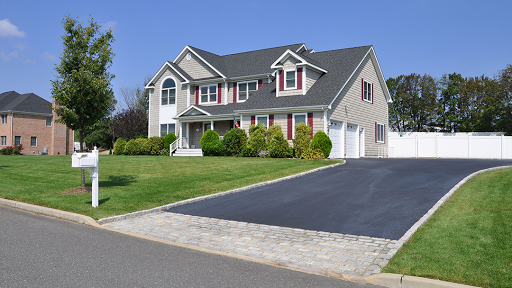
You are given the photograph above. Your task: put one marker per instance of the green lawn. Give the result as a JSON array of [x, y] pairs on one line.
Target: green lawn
[[468, 240], [133, 183]]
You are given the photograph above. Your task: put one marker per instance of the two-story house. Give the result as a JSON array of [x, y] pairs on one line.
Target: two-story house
[[28, 119], [341, 92]]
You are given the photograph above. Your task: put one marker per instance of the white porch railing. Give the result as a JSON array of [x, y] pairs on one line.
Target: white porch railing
[[173, 146]]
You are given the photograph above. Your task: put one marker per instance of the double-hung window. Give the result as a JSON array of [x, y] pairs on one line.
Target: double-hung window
[[367, 91], [169, 92], [33, 141], [380, 133], [263, 119], [291, 79], [299, 118], [4, 118], [49, 121], [208, 94], [167, 128], [246, 89], [17, 140], [3, 141]]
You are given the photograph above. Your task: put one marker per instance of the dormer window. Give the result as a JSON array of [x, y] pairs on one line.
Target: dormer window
[[208, 94], [246, 89], [169, 92], [291, 79]]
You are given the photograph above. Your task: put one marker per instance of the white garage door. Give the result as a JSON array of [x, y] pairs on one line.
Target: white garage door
[[337, 144], [352, 141]]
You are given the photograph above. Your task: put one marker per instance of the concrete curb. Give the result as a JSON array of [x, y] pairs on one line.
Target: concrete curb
[[405, 281], [65, 215], [206, 197]]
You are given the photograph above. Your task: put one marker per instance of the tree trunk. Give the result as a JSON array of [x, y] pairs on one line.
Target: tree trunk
[[82, 150]]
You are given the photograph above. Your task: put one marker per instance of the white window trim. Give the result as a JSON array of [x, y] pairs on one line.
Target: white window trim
[[238, 90], [216, 93], [383, 132], [293, 121], [51, 120], [3, 138], [31, 141], [4, 116], [370, 91], [167, 129], [284, 79], [175, 91], [256, 120]]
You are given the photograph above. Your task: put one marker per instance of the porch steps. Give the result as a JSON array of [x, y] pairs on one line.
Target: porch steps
[[188, 152]]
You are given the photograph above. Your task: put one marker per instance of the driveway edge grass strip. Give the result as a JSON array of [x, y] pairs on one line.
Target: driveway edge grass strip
[[434, 208], [206, 197]]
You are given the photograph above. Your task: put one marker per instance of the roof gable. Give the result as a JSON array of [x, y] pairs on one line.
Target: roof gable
[[26, 103], [302, 61], [186, 78]]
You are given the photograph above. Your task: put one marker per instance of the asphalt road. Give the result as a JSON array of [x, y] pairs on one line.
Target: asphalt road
[[38, 251], [368, 197]]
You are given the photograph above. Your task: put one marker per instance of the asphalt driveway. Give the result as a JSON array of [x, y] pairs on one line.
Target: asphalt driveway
[[369, 197]]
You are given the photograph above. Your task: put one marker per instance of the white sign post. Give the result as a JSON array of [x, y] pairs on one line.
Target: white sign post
[[89, 161]]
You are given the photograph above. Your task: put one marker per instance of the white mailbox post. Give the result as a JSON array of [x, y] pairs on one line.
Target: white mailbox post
[[89, 161]]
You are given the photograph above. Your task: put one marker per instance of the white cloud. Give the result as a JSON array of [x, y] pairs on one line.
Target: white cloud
[[48, 56], [109, 25], [8, 56], [8, 29]]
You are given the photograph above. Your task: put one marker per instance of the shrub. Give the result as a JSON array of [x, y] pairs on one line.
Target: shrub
[[302, 139], [153, 146], [273, 130], [215, 148], [119, 146], [313, 154], [11, 150], [132, 148], [253, 128], [256, 143], [235, 140], [168, 139], [323, 142], [279, 147], [208, 136]]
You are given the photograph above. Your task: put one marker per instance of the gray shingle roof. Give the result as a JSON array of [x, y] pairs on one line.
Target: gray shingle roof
[[246, 63], [340, 64], [26, 103]]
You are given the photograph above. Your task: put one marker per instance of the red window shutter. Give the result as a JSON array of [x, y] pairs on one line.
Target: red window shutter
[[260, 82], [270, 120], [197, 95], [375, 132], [362, 89], [299, 78], [290, 126], [310, 123], [281, 80], [372, 93], [234, 92], [219, 92], [253, 119]]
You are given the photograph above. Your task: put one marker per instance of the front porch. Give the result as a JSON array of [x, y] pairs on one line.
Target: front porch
[[190, 133]]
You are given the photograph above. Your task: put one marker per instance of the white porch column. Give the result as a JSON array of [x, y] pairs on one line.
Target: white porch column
[[188, 129], [180, 145], [188, 95], [325, 123], [225, 93], [211, 121]]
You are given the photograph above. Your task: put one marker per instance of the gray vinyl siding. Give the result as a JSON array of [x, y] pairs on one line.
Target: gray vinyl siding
[[350, 107], [155, 101], [221, 127], [311, 77], [196, 68]]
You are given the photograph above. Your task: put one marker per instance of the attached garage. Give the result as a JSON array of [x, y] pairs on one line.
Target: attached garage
[[352, 141], [336, 136]]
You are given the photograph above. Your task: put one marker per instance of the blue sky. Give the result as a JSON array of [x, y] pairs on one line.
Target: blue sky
[[432, 37]]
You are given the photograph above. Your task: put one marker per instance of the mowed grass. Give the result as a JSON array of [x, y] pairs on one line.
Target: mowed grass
[[133, 183], [468, 240]]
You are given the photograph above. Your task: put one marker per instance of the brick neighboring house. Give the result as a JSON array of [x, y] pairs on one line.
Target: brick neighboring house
[[340, 92], [28, 119]]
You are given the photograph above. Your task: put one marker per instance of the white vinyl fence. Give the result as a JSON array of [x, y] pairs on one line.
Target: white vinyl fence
[[449, 145]]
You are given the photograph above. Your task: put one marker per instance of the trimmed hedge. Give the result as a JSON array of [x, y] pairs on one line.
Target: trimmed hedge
[[119, 146], [323, 142], [153, 146], [168, 139], [208, 136], [279, 147], [132, 148], [215, 148], [313, 154], [302, 139], [235, 140]]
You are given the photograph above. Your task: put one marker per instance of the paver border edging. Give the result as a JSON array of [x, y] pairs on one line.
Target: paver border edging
[[434, 208], [206, 197]]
